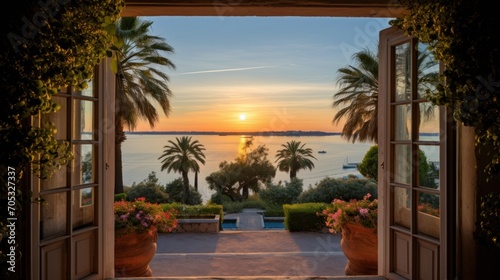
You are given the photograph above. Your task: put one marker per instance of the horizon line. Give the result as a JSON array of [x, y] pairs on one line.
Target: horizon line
[[217, 131]]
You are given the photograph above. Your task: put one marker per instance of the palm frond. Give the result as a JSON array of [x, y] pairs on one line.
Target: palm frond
[[357, 98], [143, 84]]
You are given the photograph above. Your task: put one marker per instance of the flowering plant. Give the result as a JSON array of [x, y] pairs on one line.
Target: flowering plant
[[340, 212], [140, 216]]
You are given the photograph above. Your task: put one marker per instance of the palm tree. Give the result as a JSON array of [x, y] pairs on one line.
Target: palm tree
[[294, 157], [183, 157], [358, 94], [358, 90], [141, 84]]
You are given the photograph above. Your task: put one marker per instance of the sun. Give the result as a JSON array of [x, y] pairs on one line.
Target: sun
[[243, 117]]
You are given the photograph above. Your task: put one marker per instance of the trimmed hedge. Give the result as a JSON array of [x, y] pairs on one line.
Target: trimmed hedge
[[304, 217], [195, 210]]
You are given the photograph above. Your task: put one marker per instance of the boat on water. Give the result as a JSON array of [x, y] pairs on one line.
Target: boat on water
[[321, 152], [348, 164]]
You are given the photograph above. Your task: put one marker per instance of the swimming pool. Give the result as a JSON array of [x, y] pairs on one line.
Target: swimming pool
[[228, 224], [273, 222]]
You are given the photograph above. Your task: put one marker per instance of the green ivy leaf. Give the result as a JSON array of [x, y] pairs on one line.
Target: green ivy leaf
[[113, 65]]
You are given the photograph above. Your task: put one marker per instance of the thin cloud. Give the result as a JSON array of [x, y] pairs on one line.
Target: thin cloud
[[223, 70]]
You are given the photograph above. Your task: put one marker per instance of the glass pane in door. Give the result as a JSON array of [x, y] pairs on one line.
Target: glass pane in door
[[428, 122], [428, 72], [84, 164], [53, 213], [402, 122], [83, 205], [428, 166], [57, 180], [428, 222], [402, 164], [401, 202], [83, 120], [402, 72]]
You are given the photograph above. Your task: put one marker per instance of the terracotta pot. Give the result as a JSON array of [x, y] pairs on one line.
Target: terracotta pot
[[133, 252], [360, 247]]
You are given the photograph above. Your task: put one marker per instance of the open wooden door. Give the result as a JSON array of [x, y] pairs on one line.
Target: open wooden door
[[416, 190], [72, 230]]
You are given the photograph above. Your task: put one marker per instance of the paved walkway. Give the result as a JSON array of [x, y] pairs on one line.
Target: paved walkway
[[248, 252]]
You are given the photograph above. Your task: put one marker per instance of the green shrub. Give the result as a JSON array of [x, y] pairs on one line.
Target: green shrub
[[175, 191], [219, 198], [304, 217], [230, 206], [149, 189], [279, 194], [254, 204], [152, 194], [233, 207], [274, 211], [237, 206], [369, 165], [120, 196], [342, 188]]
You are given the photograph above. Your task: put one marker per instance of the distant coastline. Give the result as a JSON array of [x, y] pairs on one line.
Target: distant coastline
[[254, 133]]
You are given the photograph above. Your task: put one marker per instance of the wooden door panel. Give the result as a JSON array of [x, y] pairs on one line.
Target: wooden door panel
[[83, 255], [54, 259], [402, 251], [427, 260]]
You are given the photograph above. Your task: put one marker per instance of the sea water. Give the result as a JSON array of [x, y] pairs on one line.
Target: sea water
[[140, 153]]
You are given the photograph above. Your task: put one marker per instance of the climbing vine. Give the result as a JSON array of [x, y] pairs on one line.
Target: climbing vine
[[46, 46], [463, 35], [488, 223]]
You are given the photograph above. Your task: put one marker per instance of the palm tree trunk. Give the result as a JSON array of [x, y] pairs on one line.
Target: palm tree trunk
[[119, 139], [293, 173], [185, 180], [196, 180]]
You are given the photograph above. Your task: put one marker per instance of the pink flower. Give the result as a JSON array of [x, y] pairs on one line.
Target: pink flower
[[336, 215], [363, 212], [139, 216], [341, 212]]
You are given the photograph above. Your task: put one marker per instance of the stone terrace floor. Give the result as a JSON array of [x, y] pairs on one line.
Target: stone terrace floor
[[249, 253]]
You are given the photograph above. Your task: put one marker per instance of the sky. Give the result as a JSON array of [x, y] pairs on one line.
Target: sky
[[258, 73]]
